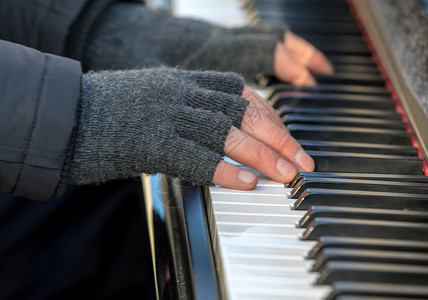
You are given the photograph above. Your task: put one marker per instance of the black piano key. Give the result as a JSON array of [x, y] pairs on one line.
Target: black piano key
[[376, 256], [367, 176], [373, 272], [368, 148], [313, 27], [368, 244], [360, 290], [350, 134], [356, 198], [341, 47], [331, 89], [339, 59], [333, 39], [348, 76], [365, 228], [333, 6], [309, 11], [350, 68], [345, 49], [308, 8], [288, 15], [365, 163], [322, 211], [344, 121], [345, 112], [351, 78], [332, 100], [357, 185]]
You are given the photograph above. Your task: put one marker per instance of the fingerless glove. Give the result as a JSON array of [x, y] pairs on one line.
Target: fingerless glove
[[153, 120], [130, 35]]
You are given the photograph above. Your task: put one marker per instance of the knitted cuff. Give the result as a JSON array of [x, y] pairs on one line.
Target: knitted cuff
[[153, 120]]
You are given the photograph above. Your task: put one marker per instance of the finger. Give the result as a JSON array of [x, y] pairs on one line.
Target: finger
[[307, 54], [231, 105], [264, 130], [231, 176], [262, 105], [288, 69], [244, 149], [190, 161], [226, 82], [204, 127]]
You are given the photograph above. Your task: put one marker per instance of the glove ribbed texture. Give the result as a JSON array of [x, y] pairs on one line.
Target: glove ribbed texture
[[130, 35], [153, 120]]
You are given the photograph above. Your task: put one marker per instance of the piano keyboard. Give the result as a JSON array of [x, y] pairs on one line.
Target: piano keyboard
[[357, 228], [266, 235]]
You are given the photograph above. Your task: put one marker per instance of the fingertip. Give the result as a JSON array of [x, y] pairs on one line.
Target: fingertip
[[230, 176], [311, 81], [329, 67], [305, 162], [320, 64], [306, 79], [286, 169], [247, 178]]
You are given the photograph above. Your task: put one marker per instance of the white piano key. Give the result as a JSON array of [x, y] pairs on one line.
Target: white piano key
[[232, 217], [296, 293], [250, 207], [266, 245], [261, 190], [263, 285]]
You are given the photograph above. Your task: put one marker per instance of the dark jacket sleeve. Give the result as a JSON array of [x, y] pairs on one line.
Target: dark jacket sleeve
[[39, 95], [50, 26]]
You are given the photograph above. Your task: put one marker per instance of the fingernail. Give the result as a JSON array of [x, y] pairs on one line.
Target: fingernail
[[246, 176], [304, 160], [286, 169]]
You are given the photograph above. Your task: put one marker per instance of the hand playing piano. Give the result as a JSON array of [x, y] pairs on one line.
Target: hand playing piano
[[180, 123], [130, 35], [295, 59], [264, 144]]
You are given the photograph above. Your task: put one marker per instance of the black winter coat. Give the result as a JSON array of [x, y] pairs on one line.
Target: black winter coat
[[39, 92], [89, 243]]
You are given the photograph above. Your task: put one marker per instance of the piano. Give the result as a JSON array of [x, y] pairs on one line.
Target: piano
[[357, 227]]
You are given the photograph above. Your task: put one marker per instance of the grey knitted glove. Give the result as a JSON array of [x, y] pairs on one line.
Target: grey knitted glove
[[153, 120], [130, 35]]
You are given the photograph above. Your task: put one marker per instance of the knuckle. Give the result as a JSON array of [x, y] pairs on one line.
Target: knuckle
[[252, 118], [233, 140], [270, 112], [261, 151], [282, 139]]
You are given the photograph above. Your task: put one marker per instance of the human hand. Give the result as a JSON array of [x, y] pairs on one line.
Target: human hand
[[180, 123], [295, 59], [130, 35], [264, 144]]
